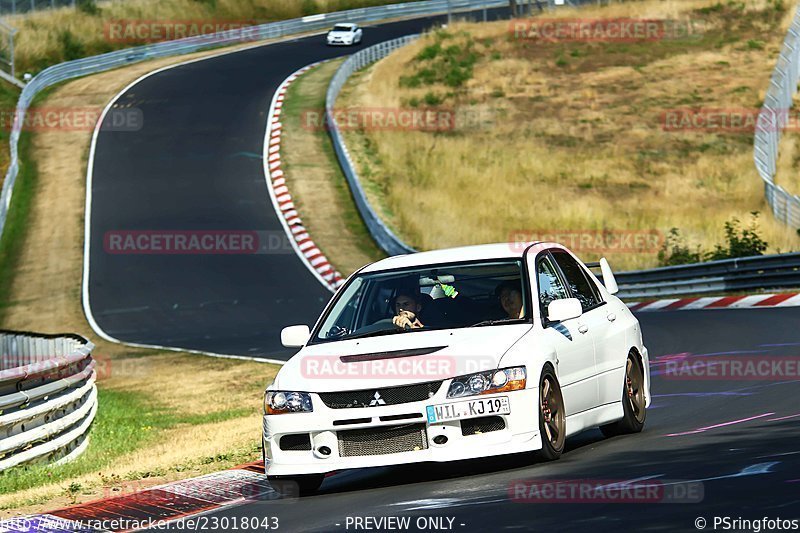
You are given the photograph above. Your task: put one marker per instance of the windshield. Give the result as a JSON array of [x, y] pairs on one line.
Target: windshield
[[427, 298], [341, 28]]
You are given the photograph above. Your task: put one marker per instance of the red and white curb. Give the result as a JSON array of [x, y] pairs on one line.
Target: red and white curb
[[718, 302], [301, 241], [153, 507]]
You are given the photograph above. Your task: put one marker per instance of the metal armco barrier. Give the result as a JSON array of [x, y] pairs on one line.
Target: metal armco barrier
[[273, 30], [48, 397], [766, 272], [771, 121], [380, 233]]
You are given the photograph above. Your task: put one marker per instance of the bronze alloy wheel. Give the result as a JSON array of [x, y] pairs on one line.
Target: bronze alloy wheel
[[634, 388], [552, 406]]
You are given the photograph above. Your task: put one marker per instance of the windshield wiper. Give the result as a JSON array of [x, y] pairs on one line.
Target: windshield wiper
[[372, 334], [497, 321]]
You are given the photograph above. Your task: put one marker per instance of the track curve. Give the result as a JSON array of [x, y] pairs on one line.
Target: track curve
[[196, 165]]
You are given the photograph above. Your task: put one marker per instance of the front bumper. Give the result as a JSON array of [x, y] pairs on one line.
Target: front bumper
[[326, 428], [339, 42]]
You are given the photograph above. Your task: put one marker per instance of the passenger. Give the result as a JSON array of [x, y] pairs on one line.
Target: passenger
[[510, 294], [407, 307]]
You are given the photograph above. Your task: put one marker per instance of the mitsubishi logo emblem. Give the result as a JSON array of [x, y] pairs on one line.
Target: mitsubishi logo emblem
[[377, 400]]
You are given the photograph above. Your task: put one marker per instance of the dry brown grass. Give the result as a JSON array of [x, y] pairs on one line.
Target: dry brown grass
[[575, 139], [46, 297], [318, 186]]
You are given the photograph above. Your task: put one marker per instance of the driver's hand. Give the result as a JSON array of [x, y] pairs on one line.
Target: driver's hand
[[406, 320]]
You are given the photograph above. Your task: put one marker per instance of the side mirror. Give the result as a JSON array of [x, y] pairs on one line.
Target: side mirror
[[609, 280], [295, 336], [564, 309]]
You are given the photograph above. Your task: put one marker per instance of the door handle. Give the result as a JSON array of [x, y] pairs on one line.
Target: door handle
[[611, 317], [583, 328]]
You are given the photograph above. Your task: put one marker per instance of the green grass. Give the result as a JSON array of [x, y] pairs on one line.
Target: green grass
[[125, 422], [13, 238]]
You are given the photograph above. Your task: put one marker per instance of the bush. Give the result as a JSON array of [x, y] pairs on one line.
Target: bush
[[740, 242], [71, 47], [309, 7], [432, 99], [450, 65], [675, 251], [87, 6]]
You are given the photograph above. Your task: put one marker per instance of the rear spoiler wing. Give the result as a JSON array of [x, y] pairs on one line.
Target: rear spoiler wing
[[609, 281]]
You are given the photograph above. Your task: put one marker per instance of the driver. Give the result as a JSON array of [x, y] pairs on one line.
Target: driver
[[510, 294], [407, 306]]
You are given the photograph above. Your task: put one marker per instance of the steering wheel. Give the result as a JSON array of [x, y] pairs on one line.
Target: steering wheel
[[336, 332]]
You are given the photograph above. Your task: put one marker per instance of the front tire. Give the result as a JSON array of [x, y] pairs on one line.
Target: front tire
[[552, 421], [633, 401], [293, 486]]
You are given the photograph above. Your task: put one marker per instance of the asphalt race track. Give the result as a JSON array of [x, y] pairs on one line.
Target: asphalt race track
[[196, 164], [745, 469]]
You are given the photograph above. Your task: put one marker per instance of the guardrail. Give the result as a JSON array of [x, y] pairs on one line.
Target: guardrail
[[273, 30], [766, 272], [48, 397], [771, 121], [380, 233]]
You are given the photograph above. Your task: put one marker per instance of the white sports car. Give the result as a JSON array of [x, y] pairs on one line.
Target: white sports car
[[344, 34], [455, 354]]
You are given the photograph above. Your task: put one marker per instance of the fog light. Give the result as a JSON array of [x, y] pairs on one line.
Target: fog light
[[324, 450], [440, 439]]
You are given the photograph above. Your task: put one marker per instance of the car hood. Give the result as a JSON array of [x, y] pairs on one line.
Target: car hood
[[397, 359], [340, 33]]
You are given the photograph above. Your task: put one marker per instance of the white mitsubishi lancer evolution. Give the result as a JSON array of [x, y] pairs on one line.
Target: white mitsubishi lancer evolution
[[455, 354]]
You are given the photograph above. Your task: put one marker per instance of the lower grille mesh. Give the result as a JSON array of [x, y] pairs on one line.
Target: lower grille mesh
[[382, 441], [486, 424], [296, 443]]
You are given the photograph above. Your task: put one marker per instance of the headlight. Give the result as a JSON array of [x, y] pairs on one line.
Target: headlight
[[488, 382], [281, 402]]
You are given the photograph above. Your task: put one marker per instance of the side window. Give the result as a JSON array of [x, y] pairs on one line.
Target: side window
[[580, 285], [550, 286]]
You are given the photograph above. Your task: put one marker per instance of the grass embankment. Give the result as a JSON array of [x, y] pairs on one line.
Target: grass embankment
[[314, 177], [163, 415], [51, 36], [568, 135]]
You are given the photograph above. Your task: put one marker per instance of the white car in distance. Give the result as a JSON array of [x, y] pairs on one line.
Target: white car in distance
[[344, 34], [455, 354]]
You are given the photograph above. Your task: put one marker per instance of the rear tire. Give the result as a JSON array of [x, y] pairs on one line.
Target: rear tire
[[552, 420], [293, 486], [633, 401]]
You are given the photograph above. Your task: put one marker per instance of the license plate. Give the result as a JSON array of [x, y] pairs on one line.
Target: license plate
[[468, 409]]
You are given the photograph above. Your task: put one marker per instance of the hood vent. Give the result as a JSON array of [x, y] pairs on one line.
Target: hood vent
[[389, 355]]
